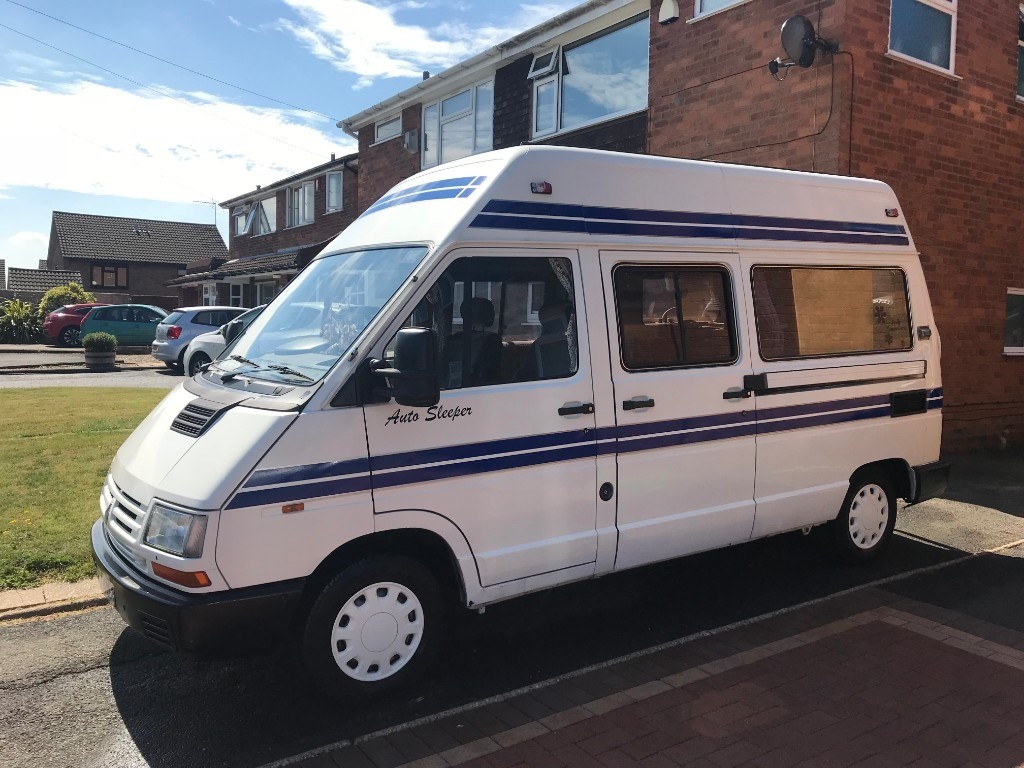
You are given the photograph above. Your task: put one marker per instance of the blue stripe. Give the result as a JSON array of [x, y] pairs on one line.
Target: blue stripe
[[442, 189], [435, 194], [526, 223], [478, 458]]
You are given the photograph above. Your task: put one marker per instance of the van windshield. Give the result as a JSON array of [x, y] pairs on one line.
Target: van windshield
[[312, 324]]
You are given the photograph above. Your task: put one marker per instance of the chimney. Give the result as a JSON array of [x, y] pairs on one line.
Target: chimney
[[332, 157], [426, 75]]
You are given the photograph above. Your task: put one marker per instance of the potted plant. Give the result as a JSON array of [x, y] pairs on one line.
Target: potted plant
[[99, 351]]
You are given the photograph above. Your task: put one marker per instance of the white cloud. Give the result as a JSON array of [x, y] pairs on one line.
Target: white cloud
[[234, 21], [366, 38], [25, 249], [91, 138]]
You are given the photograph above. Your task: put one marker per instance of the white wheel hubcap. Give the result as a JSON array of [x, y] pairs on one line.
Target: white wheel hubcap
[[377, 632], [869, 516]]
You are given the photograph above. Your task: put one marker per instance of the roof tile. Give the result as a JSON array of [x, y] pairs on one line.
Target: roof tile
[[114, 239]]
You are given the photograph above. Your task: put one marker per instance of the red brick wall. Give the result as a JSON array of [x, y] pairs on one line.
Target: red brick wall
[[383, 165], [711, 96], [951, 149], [323, 227]]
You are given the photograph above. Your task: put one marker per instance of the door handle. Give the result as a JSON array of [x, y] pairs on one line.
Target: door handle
[[573, 410], [755, 384], [640, 402]]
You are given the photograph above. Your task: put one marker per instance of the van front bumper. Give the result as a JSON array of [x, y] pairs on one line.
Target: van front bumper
[[187, 622], [930, 481]]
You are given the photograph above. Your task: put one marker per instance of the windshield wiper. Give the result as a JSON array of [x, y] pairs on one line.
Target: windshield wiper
[[258, 369], [245, 360]]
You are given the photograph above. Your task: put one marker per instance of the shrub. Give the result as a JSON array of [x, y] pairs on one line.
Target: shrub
[[99, 342], [18, 323], [72, 293]]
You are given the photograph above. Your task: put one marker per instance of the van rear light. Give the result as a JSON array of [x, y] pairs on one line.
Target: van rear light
[[173, 332], [194, 579]]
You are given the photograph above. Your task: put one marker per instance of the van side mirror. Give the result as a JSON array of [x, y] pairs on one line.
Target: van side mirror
[[231, 331], [413, 380]]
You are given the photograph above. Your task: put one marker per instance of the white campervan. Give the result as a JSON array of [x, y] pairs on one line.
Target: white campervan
[[531, 367]]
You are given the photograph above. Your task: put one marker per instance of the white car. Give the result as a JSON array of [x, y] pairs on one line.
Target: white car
[[207, 347]]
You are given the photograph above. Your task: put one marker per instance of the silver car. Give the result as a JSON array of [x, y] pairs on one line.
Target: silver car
[[181, 326], [208, 346]]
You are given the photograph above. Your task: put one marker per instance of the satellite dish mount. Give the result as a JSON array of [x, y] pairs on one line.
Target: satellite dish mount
[[801, 43]]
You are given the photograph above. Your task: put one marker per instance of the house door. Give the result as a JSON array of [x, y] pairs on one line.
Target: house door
[[685, 450]]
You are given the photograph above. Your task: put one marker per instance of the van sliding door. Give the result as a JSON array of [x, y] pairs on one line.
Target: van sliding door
[[684, 432]]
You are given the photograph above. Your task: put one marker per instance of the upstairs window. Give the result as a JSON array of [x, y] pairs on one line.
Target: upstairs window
[[1020, 51], [594, 79], [459, 125], [335, 196], [300, 204], [262, 218], [704, 7], [238, 217], [109, 276], [387, 129], [1013, 332], [925, 31]]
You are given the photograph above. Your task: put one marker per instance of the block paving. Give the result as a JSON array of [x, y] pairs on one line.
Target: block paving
[[867, 680]]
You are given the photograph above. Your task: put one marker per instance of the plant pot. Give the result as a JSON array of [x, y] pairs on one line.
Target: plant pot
[[100, 361]]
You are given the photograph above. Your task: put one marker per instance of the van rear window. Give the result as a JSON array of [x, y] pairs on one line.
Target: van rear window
[[826, 311]]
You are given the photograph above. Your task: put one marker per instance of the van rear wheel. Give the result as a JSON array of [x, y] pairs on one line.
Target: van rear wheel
[[867, 518], [373, 628]]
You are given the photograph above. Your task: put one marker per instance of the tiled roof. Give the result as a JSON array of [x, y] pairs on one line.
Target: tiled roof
[[113, 238], [255, 265], [39, 279]]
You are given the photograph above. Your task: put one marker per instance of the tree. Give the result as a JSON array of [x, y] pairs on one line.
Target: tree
[[72, 293]]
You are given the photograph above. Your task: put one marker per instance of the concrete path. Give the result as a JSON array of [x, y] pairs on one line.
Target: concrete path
[[158, 378]]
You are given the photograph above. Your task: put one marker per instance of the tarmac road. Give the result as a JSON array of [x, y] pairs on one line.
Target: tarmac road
[[159, 379], [81, 689]]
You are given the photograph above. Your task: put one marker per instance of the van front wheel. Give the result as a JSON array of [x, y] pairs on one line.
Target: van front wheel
[[373, 628], [867, 518]]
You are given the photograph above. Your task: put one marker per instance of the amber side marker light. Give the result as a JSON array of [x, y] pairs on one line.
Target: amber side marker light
[[192, 579], [292, 508]]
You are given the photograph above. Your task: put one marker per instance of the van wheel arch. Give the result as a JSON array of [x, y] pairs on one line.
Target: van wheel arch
[[423, 546], [899, 472]]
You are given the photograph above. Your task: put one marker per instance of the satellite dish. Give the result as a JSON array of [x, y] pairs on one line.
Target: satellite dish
[[799, 40]]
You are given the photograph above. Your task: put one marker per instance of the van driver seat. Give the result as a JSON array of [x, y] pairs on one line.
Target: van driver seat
[[483, 365]]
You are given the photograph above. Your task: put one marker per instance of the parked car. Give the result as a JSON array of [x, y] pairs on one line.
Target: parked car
[[132, 324], [182, 325], [208, 346], [63, 325]]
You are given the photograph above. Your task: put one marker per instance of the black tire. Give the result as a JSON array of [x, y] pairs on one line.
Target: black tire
[[71, 336], [171, 366], [401, 582], [194, 363], [867, 518]]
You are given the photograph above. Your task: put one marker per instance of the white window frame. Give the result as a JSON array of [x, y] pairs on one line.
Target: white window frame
[[251, 218], [299, 202], [544, 75], [341, 192], [385, 127], [209, 294], [238, 218], [545, 69], [1015, 351], [532, 317], [443, 119], [949, 7], [700, 13], [235, 295], [260, 289], [457, 305]]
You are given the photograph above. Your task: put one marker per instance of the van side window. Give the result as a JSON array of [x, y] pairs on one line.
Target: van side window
[[823, 311], [676, 316], [501, 320]]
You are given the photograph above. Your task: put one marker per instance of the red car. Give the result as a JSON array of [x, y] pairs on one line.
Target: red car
[[62, 325]]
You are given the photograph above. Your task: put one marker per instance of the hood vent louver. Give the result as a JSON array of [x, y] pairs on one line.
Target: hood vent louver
[[196, 417]]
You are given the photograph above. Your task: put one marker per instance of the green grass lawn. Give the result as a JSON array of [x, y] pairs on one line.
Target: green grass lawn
[[56, 446]]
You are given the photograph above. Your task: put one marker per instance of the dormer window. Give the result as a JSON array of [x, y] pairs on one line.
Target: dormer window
[[544, 64]]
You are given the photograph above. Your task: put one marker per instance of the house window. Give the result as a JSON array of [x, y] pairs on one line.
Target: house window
[[300, 204], [209, 294], [236, 295], [109, 276], [534, 301], [387, 129], [1020, 51], [459, 125], [1013, 337], [262, 218], [238, 217], [266, 292], [924, 30], [594, 79], [477, 291], [335, 199], [703, 7]]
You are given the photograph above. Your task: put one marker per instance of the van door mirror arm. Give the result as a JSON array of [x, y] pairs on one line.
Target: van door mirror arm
[[412, 379]]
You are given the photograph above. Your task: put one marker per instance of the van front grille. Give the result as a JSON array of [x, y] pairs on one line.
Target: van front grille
[[156, 629], [193, 419]]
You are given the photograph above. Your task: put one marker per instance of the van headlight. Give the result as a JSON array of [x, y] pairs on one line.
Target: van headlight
[[174, 531]]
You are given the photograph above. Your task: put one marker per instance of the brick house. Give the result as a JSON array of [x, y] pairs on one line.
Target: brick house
[[274, 232], [926, 95], [128, 260]]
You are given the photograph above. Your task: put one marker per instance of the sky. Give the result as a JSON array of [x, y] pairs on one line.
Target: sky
[[91, 126]]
